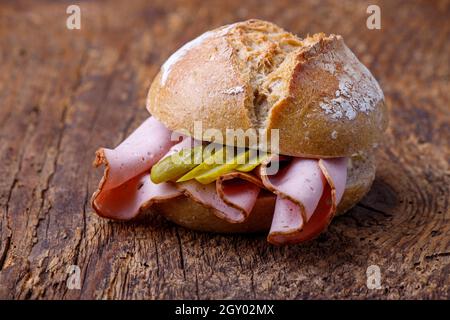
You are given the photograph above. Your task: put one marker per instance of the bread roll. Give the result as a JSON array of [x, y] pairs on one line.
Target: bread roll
[[255, 75]]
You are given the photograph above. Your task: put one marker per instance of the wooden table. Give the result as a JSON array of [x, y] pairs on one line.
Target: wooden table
[[64, 93]]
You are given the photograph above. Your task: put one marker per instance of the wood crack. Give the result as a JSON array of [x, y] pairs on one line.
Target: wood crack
[[367, 207], [252, 283], [197, 288], [437, 255], [180, 247], [43, 193], [158, 270], [5, 250], [7, 246]]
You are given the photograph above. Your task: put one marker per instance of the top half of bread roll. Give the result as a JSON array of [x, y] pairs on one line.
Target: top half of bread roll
[[253, 74]]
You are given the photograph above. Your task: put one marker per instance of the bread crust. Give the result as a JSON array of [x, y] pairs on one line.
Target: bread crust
[[254, 74], [193, 215]]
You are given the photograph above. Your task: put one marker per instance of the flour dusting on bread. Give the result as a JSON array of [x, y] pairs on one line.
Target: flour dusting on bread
[[234, 90], [358, 90]]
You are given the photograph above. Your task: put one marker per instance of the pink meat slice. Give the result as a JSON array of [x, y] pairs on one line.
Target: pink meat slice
[[126, 188], [239, 190], [335, 173], [287, 222], [301, 182], [308, 192], [207, 195], [126, 201], [186, 143], [135, 155]]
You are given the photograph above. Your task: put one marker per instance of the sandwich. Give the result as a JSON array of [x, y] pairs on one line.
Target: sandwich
[[252, 129]]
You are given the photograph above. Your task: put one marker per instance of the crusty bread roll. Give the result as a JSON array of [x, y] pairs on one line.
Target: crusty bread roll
[[190, 214], [251, 77], [254, 74]]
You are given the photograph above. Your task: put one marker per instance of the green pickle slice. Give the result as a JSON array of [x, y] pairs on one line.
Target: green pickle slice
[[187, 164], [209, 163], [176, 165], [215, 172], [252, 164]]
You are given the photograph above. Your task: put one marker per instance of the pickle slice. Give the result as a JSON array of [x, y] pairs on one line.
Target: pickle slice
[[175, 165], [214, 173], [218, 159], [247, 167], [217, 164], [206, 165]]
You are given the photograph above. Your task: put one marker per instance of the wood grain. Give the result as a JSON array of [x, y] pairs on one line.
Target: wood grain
[[63, 93]]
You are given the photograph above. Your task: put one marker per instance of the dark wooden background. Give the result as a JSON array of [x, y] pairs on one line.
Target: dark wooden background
[[64, 93]]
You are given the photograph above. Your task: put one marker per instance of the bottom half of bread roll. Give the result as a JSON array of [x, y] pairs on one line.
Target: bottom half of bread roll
[[190, 214]]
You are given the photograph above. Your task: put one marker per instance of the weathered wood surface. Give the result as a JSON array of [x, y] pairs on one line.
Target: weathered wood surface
[[64, 93]]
